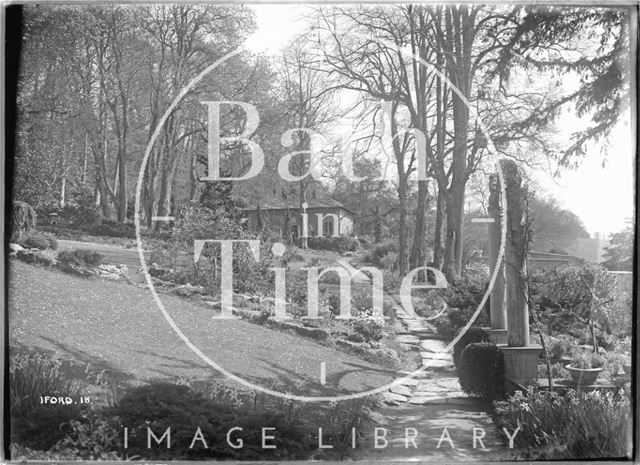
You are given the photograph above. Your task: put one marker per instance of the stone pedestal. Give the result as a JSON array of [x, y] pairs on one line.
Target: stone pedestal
[[497, 336], [521, 364]]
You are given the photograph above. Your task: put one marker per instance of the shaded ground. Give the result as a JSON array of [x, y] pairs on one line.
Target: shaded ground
[[120, 328], [412, 433]]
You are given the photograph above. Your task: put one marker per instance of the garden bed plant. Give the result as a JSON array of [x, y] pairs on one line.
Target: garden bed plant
[[585, 367], [95, 431], [577, 425]]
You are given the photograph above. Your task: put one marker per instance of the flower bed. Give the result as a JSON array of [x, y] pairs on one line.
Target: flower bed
[[577, 425]]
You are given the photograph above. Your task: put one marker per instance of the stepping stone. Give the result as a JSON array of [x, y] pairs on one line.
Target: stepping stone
[[410, 382], [433, 385], [415, 324], [436, 363], [421, 377], [431, 393], [403, 332], [435, 356], [432, 345], [428, 400], [401, 389], [393, 399], [433, 388], [408, 339], [423, 333], [415, 328]]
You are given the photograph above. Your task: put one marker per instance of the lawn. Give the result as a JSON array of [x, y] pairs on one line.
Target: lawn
[[119, 328]]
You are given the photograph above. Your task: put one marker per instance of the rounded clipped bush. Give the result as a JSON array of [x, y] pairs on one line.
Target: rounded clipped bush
[[370, 330], [473, 334], [481, 371]]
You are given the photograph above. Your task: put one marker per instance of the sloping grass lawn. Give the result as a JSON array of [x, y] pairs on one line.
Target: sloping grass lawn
[[119, 328]]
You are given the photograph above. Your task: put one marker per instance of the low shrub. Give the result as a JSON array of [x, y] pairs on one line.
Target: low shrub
[[450, 324], [111, 228], [23, 219], [81, 209], [43, 426], [80, 257], [584, 359], [472, 335], [574, 426], [463, 297], [41, 241], [391, 281], [361, 302], [375, 255], [428, 303], [296, 287], [34, 424], [481, 371], [161, 405], [389, 261], [369, 329], [560, 346], [193, 221], [32, 375], [334, 244], [93, 437]]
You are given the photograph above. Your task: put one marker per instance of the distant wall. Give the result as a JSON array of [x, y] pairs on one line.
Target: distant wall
[[543, 260]]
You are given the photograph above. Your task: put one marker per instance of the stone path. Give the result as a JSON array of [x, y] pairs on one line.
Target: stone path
[[436, 384], [427, 417], [416, 333]]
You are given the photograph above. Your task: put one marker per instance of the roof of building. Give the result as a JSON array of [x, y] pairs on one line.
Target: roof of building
[[294, 204]]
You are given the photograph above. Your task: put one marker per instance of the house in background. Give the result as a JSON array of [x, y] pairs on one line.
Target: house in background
[[326, 217]]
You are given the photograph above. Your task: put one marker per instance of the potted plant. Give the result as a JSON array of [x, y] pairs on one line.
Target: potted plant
[[585, 367]]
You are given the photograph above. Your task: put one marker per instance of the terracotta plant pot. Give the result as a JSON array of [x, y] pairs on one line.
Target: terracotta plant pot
[[627, 368], [584, 376]]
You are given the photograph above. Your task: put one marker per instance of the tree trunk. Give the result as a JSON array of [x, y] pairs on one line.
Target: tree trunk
[[402, 227], [63, 190], [193, 175], [304, 243], [418, 255], [122, 182], [455, 204], [166, 188], [440, 219]]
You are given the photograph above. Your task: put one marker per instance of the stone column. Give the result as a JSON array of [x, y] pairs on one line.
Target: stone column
[[520, 357], [497, 310]]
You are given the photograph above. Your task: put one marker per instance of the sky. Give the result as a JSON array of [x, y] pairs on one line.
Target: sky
[[602, 196]]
